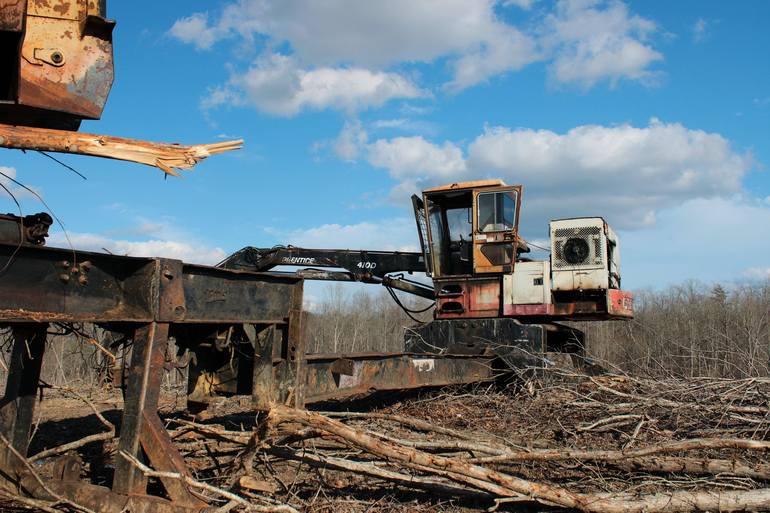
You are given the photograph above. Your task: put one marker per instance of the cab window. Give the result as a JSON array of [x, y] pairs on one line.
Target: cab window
[[496, 211]]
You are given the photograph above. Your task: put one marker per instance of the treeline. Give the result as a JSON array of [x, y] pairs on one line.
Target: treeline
[[691, 330], [360, 321]]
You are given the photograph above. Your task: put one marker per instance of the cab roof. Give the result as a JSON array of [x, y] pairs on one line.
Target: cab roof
[[476, 184]]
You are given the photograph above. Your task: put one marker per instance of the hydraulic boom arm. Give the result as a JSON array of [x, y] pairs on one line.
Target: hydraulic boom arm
[[356, 265]]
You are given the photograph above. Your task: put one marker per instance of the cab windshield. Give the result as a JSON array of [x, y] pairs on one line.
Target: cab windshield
[[497, 211]]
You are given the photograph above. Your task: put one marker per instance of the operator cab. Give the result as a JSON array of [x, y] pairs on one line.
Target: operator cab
[[469, 228]]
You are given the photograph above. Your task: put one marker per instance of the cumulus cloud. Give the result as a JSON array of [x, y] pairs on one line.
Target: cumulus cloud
[[375, 33], [624, 172], [395, 234], [143, 237], [187, 251], [347, 44], [195, 29], [593, 40], [276, 84], [352, 138], [407, 157], [716, 239], [504, 49]]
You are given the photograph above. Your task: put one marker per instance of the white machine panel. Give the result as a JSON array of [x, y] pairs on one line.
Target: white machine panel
[[530, 284]]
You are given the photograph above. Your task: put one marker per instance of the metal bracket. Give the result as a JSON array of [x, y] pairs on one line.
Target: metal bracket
[[52, 56]]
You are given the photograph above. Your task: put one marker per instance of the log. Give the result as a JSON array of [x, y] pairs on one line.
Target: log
[[166, 157], [682, 502], [368, 469], [692, 444], [702, 466], [461, 472], [505, 485]]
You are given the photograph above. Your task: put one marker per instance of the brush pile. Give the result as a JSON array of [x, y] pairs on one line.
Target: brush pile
[[606, 443]]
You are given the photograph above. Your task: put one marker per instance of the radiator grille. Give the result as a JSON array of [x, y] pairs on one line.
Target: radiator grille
[[593, 237]]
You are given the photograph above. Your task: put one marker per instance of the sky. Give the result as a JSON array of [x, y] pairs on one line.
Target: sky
[[652, 114]]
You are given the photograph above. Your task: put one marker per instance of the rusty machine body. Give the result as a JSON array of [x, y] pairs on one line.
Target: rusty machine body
[[243, 329]]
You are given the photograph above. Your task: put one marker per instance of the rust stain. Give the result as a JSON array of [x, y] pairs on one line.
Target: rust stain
[[12, 15], [62, 8]]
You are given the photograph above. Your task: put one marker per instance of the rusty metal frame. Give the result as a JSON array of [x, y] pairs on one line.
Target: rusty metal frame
[[149, 300]]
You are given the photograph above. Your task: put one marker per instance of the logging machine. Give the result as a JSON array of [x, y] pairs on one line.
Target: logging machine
[[488, 294]]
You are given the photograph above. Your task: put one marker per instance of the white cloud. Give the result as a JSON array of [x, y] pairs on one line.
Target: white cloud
[[7, 175], [405, 125], [195, 29], [415, 157], [397, 234], [717, 239], [9, 188], [623, 172], [700, 30], [374, 33], [594, 40], [276, 84], [390, 123], [143, 237], [522, 4], [505, 49], [187, 251], [338, 41], [757, 273], [350, 141]]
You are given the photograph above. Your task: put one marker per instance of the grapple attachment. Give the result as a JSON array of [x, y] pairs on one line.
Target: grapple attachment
[[56, 64]]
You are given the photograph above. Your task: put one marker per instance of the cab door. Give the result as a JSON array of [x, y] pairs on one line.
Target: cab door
[[495, 229]]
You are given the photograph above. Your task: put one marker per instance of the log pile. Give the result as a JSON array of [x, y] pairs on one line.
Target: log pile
[[577, 443]]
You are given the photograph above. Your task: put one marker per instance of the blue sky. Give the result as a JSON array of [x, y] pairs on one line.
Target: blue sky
[[655, 115]]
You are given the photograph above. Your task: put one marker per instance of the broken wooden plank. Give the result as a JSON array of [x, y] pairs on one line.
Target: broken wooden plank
[[165, 156]]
